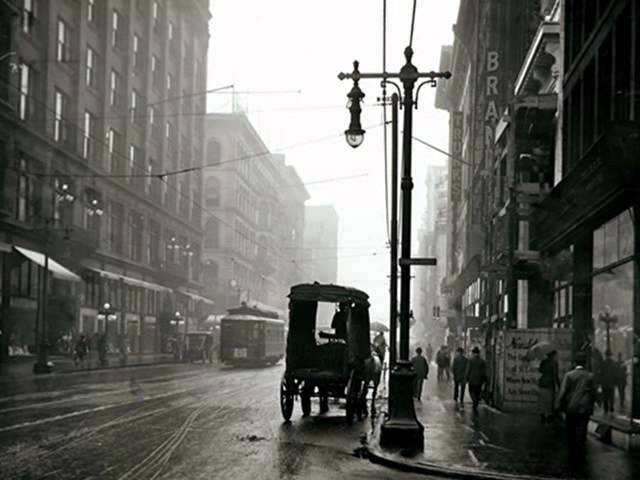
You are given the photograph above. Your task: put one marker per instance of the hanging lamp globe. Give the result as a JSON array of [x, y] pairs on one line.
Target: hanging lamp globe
[[355, 134]]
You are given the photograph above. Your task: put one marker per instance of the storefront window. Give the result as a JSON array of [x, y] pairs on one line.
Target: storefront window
[[613, 314]]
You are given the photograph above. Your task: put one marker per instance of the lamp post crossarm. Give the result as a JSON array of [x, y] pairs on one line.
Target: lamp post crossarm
[[357, 76]]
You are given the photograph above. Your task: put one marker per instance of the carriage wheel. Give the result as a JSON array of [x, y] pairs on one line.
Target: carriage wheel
[[286, 399], [305, 401]]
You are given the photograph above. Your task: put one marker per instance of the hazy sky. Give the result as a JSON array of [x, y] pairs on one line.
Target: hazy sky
[[286, 45]]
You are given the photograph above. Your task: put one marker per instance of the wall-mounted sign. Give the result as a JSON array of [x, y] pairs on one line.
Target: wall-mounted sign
[[455, 147]]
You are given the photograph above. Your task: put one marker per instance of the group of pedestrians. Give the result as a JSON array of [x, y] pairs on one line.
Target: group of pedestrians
[[466, 371]]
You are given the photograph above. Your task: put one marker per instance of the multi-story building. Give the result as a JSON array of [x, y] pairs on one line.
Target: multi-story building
[[491, 39], [586, 230], [254, 209], [427, 299], [99, 105], [320, 262]]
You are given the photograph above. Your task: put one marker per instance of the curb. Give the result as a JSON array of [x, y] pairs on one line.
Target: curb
[[108, 367], [428, 468], [375, 455]]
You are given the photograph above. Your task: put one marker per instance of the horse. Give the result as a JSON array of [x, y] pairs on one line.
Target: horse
[[372, 372]]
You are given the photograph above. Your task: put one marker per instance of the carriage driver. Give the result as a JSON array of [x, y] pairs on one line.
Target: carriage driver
[[339, 322]]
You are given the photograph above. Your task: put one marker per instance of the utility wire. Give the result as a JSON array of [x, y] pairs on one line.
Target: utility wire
[[159, 177], [413, 22]]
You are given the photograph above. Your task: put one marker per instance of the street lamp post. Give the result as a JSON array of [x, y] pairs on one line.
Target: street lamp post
[[63, 194], [608, 319], [402, 427]]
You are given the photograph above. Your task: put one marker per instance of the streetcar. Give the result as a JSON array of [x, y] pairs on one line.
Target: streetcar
[[251, 336]]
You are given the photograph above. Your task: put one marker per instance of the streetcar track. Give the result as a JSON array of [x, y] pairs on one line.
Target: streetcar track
[[94, 409], [86, 395], [161, 454]]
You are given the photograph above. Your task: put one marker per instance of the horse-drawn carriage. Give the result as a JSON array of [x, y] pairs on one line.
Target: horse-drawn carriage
[[327, 365]]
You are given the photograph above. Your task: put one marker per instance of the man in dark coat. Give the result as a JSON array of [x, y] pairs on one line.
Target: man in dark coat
[[421, 367], [577, 395], [459, 371], [608, 380], [476, 376]]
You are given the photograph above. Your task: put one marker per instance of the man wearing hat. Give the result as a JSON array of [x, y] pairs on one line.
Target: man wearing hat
[[577, 396], [476, 376]]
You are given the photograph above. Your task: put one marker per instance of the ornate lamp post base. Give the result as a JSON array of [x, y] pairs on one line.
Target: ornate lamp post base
[[42, 364], [402, 428]]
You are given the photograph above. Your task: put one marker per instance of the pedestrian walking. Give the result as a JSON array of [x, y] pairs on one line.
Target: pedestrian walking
[[446, 363], [440, 363], [81, 349], [459, 371], [576, 399], [429, 353], [476, 377], [102, 349], [548, 385], [608, 381], [622, 380], [380, 346], [207, 347], [421, 368]]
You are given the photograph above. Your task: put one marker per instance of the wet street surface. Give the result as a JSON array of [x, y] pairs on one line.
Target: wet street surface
[[172, 422]]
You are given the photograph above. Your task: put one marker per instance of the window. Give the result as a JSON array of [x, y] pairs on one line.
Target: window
[[113, 148], [23, 191], [90, 72], [153, 124], [153, 247], [89, 125], [91, 10], [134, 107], [136, 51], [155, 71], [63, 44], [28, 16], [26, 87], [170, 32], [212, 234], [115, 227], [134, 160], [169, 82], [213, 152], [151, 170], [114, 89], [156, 16], [117, 29], [135, 236], [170, 143], [59, 126]]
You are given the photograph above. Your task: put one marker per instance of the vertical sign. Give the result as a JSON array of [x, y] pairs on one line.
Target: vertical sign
[[456, 151]]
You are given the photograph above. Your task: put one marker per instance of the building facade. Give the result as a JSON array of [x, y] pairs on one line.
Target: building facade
[[320, 259], [586, 229], [254, 209], [99, 107], [428, 303], [557, 257]]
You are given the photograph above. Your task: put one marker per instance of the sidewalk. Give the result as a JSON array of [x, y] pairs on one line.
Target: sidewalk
[[492, 444], [19, 367]]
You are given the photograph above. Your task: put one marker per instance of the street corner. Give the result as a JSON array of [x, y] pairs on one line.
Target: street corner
[[413, 460]]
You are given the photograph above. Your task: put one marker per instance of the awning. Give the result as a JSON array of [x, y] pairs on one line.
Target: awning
[[195, 296], [57, 270], [131, 281]]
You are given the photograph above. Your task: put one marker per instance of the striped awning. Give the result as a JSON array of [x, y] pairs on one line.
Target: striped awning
[[57, 270], [135, 282]]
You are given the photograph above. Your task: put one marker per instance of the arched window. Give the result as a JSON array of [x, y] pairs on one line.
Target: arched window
[[213, 152], [212, 233], [212, 192]]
